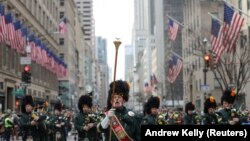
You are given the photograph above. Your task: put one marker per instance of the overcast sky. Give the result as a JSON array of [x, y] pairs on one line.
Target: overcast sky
[[114, 19]]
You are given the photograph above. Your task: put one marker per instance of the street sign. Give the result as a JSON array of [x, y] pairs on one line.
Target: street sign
[[25, 60], [18, 92], [205, 88], [28, 49], [24, 84]]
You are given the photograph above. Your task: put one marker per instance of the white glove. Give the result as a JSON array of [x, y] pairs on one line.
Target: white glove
[[111, 113], [105, 121]]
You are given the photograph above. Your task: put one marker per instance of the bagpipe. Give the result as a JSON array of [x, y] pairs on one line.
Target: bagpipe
[[38, 117], [59, 120], [175, 118], [161, 119], [197, 118], [59, 123], [92, 118]]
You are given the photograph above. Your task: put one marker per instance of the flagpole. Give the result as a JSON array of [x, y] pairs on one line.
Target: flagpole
[[175, 21], [177, 55], [215, 17], [171, 84], [236, 8]]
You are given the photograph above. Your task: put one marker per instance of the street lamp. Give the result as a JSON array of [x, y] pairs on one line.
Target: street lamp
[[206, 58]]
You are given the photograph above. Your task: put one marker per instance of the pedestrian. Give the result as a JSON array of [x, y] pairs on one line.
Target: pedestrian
[[8, 124]]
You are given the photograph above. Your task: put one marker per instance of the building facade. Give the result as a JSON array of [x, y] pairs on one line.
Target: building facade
[[196, 43], [68, 52], [40, 19], [103, 86]]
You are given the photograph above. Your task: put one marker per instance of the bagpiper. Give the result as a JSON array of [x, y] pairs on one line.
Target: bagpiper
[[228, 113], [151, 111], [119, 122], [57, 124], [210, 117], [28, 121], [189, 116], [85, 122]]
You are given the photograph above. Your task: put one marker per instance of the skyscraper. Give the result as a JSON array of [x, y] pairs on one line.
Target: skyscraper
[[85, 8]]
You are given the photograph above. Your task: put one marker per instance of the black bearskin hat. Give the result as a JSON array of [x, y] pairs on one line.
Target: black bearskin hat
[[153, 102], [228, 96], [209, 103], [26, 100], [189, 106], [121, 88], [84, 100], [58, 106]]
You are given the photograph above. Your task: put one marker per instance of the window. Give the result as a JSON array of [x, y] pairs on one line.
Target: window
[[61, 15], [13, 59], [40, 14], [61, 41], [248, 4], [61, 56], [86, 2], [34, 8], [6, 56], [44, 19], [240, 4], [1, 85], [61, 2], [47, 24]]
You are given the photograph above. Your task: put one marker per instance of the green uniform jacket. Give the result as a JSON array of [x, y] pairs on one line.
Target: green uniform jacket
[[129, 123], [225, 115], [210, 119], [188, 119], [149, 120], [27, 129], [80, 121], [55, 130]]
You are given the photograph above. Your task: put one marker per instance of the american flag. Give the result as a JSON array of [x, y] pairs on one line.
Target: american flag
[[14, 33], [2, 24], [62, 26], [217, 38], [18, 36], [10, 29], [172, 29], [233, 23], [175, 66]]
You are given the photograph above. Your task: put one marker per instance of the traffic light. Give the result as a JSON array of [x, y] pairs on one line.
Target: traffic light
[[26, 74], [214, 61], [207, 59]]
